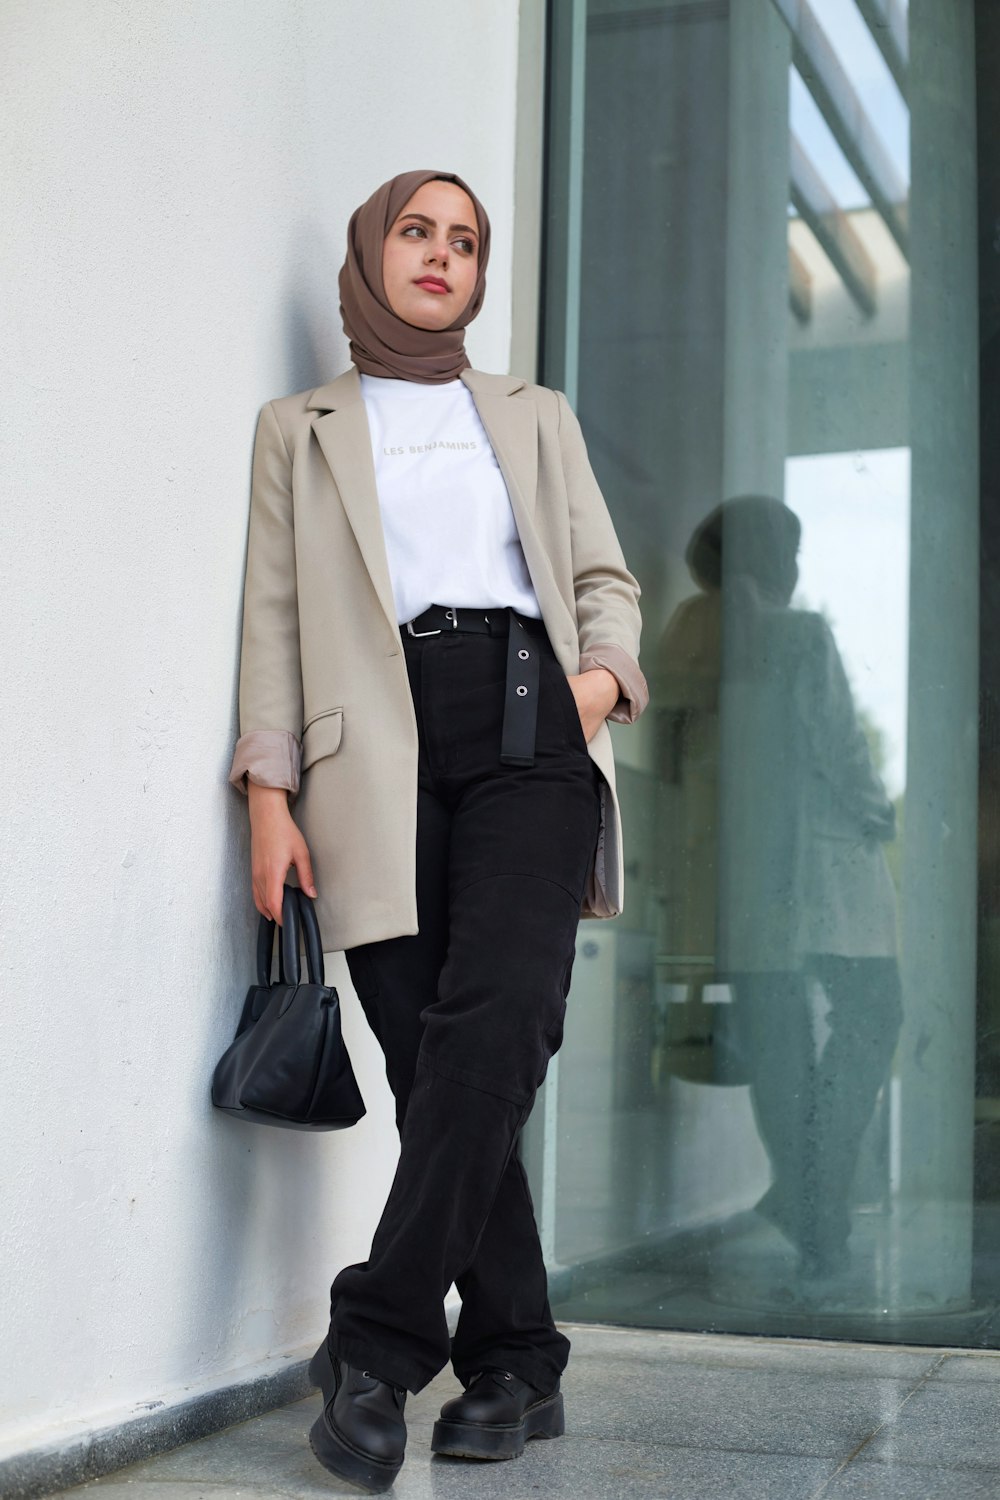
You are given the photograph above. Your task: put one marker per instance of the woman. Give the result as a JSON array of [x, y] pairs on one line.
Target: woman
[[437, 622]]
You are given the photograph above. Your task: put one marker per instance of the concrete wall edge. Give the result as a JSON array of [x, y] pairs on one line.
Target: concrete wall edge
[[86, 1452]]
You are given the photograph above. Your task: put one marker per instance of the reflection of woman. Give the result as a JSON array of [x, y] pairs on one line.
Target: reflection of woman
[[804, 891], [454, 784]]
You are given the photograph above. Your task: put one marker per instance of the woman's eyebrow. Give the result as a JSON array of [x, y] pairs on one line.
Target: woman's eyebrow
[[432, 223]]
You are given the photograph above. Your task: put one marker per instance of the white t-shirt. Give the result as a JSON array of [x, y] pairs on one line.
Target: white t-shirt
[[450, 534]]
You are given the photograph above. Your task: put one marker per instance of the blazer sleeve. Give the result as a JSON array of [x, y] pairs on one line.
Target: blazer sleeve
[[269, 749], [607, 595]]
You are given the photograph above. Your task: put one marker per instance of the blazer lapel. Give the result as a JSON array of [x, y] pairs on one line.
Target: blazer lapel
[[345, 439], [512, 428]]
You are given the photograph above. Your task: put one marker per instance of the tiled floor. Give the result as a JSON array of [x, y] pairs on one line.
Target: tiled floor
[[663, 1416]]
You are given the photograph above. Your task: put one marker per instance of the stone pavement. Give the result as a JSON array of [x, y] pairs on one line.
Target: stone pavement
[[661, 1416]]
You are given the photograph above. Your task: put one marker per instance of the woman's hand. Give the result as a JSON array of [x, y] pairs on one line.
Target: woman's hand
[[596, 693], [275, 844]]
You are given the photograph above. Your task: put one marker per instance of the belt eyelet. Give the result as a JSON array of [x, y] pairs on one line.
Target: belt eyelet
[[523, 655], [521, 691]]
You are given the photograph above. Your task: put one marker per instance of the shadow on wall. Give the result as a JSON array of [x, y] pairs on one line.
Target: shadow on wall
[[315, 345], [270, 1196]]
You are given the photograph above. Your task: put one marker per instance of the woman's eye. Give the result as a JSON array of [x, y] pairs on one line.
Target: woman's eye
[[466, 245]]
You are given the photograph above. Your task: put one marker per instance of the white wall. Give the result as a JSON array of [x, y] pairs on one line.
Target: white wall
[[176, 186]]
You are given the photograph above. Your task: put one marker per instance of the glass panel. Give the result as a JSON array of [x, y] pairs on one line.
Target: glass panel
[[762, 298]]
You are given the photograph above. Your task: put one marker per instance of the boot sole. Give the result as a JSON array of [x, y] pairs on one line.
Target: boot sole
[[334, 1452], [546, 1419]]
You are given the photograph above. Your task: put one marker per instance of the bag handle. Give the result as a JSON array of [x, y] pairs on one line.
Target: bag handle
[[290, 931], [298, 913], [314, 946], [265, 950]]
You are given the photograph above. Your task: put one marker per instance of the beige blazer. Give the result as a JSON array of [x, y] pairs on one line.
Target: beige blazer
[[324, 699]]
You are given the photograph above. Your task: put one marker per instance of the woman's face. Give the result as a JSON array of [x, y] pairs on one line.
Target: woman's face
[[430, 257]]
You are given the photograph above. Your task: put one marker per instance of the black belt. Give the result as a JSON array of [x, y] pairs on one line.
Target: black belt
[[520, 709]]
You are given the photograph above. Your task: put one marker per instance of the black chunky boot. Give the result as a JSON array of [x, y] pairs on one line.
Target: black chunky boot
[[495, 1417], [360, 1435]]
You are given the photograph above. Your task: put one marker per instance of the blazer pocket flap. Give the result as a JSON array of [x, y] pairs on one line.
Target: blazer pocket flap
[[321, 736]]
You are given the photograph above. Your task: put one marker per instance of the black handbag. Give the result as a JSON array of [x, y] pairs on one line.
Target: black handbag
[[288, 1064]]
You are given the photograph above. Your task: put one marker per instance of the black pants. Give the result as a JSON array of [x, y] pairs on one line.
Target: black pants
[[468, 1012]]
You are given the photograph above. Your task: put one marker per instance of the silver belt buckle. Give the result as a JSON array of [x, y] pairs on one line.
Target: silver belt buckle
[[418, 633]]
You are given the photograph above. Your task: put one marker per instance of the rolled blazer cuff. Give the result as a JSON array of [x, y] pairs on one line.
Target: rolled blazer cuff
[[268, 757], [634, 691]]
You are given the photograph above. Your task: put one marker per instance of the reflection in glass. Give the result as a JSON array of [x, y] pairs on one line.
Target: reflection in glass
[[761, 284], [805, 897]]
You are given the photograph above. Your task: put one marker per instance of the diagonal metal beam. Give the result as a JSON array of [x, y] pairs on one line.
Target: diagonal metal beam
[[887, 22], [833, 229], [799, 287], [823, 74]]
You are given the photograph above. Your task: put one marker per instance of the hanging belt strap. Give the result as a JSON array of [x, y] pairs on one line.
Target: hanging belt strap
[[520, 708]]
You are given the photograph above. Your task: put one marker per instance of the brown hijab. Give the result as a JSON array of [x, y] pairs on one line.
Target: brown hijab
[[381, 342]]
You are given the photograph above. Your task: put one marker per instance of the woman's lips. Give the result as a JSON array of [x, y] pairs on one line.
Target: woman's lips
[[432, 286]]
